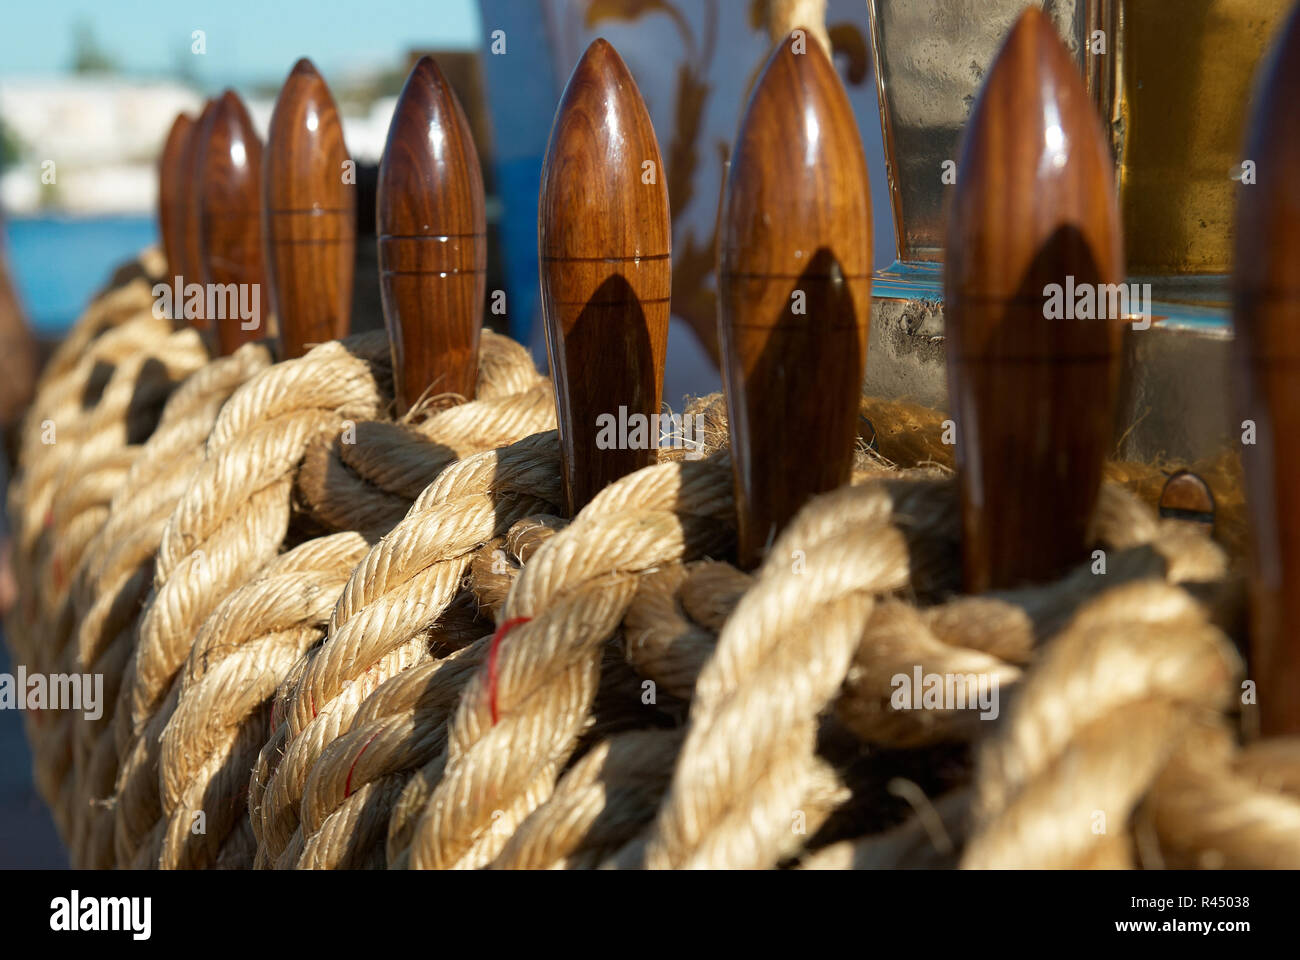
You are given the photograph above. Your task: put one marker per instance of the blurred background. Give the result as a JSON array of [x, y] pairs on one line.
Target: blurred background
[[89, 89]]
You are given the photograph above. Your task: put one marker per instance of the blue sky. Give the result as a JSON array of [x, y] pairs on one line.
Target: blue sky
[[247, 40]]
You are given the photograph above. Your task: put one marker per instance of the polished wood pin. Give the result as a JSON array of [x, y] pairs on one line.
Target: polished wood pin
[[310, 203], [606, 270], [1266, 315], [230, 226], [432, 233], [174, 188], [1031, 374], [794, 284], [191, 165], [1186, 496]]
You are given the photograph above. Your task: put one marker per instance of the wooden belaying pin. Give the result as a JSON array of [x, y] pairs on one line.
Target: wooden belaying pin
[[230, 226], [1187, 497], [1266, 316], [794, 285], [604, 249], [432, 233], [1031, 379], [174, 188], [309, 200], [191, 165]]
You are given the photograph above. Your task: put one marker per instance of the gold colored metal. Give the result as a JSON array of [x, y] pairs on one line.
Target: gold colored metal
[[1176, 91]]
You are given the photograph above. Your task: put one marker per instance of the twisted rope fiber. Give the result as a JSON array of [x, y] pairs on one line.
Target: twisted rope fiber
[[213, 736], [97, 447], [500, 817], [497, 563], [517, 402], [1217, 807], [616, 703], [717, 585], [92, 474], [58, 402], [776, 666], [370, 484], [505, 371], [229, 523], [73, 377], [517, 724], [351, 767], [543, 808], [394, 597], [120, 572], [1135, 672]]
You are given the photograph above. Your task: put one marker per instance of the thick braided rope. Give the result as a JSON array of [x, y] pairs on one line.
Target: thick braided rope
[[120, 564], [974, 637], [97, 447], [370, 483], [114, 430], [1216, 807], [497, 563], [519, 719], [212, 738], [57, 414], [776, 666], [1112, 699], [120, 567], [397, 728], [672, 624], [505, 367], [230, 522], [394, 597], [127, 292]]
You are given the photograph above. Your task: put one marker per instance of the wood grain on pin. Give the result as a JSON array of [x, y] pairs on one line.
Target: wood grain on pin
[[794, 268], [432, 241], [1267, 321], [310, 204], [1188, 497], [1031, 392], [174, 188], [606, 269], [230, 226], [191, 235]]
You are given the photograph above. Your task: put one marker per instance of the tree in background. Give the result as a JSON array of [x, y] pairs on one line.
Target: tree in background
[[87, 55]]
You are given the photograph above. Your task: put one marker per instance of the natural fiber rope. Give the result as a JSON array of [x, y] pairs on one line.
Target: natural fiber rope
[[1136, 670], [120, 562], [230, 522], [395, 596], [518, 721], [1214, 807], [214, 734], [102, 457], [502, 371], [1175, 799], [59, 408], [370, 482], [606, 681]]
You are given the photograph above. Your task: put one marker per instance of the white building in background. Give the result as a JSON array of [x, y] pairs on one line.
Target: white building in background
[[104, 135]]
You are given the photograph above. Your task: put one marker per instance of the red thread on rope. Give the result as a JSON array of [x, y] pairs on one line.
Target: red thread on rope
[[492, 660], [347, 786]]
